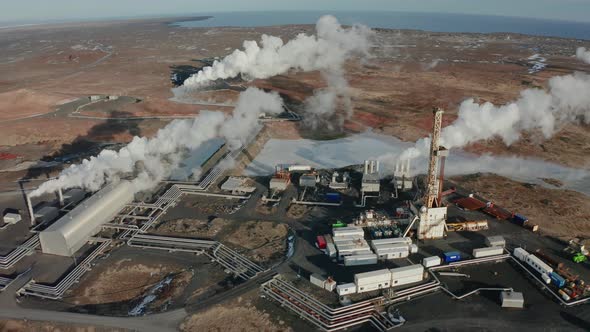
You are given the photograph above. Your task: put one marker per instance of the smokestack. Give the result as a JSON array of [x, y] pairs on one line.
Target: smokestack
[[61, 197], [30, 207]]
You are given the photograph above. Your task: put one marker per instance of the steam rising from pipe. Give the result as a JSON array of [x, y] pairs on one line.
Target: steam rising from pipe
[[566, 101], [583, 54], [151, 160], [327, 51]]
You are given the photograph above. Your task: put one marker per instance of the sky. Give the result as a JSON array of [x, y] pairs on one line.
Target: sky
[[43, 10]]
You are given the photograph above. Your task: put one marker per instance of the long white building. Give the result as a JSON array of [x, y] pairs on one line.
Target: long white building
[[68, 234]]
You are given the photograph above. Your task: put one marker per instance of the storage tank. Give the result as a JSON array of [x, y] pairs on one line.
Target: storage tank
[[68, 234]]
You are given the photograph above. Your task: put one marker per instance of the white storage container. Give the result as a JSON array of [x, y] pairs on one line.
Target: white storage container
[[346, 289], [317, 280], [348, 231], [407, 275], [331, 250], [495, 241], [406, 240], [364, 259], [392, 253], [537, 264], [407, 271], [390, 245], [431, 261], [413, 248], [521, 254], [406, 280], [546, 278], [372, 287], [488, 251], [372, 277]]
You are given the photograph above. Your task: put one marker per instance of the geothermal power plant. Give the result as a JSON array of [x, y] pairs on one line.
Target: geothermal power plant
[[277, 199]]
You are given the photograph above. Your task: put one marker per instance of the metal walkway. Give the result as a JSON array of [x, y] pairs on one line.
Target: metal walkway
[[19, 252]]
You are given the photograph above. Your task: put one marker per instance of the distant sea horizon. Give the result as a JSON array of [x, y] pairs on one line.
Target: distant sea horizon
[[432, 22]]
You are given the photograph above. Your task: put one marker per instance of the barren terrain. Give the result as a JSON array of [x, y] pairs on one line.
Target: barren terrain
[[559, 213], [393, 91], [37, 326]]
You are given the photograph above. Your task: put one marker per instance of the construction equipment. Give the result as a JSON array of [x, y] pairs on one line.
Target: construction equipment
[[579, 258]]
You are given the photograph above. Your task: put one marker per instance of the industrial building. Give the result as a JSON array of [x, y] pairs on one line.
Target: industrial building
[[68, 234]]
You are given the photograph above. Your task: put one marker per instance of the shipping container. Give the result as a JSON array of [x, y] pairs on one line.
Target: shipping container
[[557, 280], [333, 197], [321, 242], [545, 278], [413, 249], [564, 296], [431, 261], [372, 287], [470, 203], [345, 289], [487, 251], [520, 219], [363, 259], [497, 212], [495, 241], [406, 280], [512, 299], [317, 280], [373, 277], [452, 256]]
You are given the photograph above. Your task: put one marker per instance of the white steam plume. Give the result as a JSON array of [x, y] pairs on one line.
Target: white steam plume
[[583, 54], [326, 51], [566, 101], [153, 159]]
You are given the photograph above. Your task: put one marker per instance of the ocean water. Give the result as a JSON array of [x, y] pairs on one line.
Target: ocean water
[[400, 20]]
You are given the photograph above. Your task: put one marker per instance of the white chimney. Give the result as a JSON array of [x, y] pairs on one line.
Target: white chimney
[[30, 207], [61, 197]]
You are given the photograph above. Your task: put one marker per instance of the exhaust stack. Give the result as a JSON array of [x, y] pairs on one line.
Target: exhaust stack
[[61, 197], [30, 207]]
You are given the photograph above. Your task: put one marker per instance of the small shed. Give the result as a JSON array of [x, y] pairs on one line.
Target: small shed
[[512, 299], [12, 218]]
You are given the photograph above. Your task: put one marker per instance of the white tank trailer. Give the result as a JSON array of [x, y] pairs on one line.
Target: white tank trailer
[[68, 234]]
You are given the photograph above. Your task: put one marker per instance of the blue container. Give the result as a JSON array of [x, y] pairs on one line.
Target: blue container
[[452, 256], [520, 219], [557, 280], [333, 197]]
